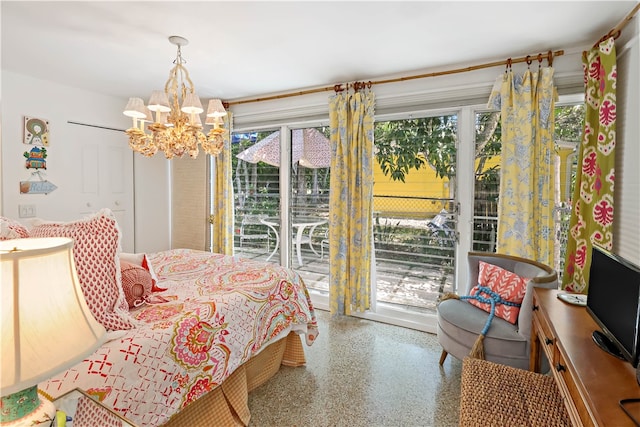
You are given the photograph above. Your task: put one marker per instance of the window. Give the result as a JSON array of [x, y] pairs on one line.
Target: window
[[569, 121]]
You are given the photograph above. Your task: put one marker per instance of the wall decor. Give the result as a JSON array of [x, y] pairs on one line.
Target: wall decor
[[36, 131], [36, 158], [41, 186]]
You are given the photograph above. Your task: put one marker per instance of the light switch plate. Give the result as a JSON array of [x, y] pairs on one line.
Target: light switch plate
[[26, 211]]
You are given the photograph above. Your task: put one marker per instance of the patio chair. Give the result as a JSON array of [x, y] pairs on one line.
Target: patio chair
[[252, 229], [324, 243], [460, 323]]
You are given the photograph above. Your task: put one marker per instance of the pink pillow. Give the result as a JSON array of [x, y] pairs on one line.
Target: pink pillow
[[136, 283], [142, 260], [96, 252], [508, 285], [11, 229]]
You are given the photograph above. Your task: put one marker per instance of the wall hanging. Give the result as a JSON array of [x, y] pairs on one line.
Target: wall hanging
[[36, 131]]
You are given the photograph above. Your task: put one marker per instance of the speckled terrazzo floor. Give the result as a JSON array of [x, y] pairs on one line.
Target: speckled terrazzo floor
[[362, 373]]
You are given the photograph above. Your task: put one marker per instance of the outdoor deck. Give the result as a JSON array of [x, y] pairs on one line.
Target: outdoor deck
[[401, 284]]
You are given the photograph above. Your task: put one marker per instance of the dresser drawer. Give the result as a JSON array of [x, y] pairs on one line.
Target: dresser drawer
[[574, 402], [545, 334]]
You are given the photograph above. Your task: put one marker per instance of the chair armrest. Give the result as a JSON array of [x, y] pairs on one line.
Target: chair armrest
[[526, 309]]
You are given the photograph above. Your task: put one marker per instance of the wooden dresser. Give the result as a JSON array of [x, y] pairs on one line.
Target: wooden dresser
[[591, 381]]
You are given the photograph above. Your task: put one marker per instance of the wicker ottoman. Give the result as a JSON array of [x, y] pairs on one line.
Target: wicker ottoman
[[500, 395]]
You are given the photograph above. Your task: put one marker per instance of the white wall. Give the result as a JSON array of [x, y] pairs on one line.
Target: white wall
[[25, 96], [152, 177]]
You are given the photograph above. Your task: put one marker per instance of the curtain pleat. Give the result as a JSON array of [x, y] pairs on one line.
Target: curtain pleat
[[527, 185], [222, 217], [592, 203], [351, 201]]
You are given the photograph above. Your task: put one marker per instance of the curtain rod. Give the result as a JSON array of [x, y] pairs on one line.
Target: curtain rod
[[528, 59], [615, 31]]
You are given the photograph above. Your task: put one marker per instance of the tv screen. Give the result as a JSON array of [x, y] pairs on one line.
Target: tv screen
[[614, 303]]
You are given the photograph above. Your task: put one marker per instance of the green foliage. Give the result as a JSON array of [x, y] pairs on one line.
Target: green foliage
[[569, 121], [402, 145]]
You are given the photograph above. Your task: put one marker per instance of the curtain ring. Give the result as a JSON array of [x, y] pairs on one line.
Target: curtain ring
[[550, 58], [508, 67], [528, 60]]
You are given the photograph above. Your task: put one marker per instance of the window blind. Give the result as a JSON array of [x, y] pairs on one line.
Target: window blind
[[626, 240], [189, 203]]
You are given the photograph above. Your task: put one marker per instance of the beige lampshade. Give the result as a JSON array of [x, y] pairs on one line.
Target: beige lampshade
[[46, 324], [192, 104], [135, 108], [159, 102], [215, 109]]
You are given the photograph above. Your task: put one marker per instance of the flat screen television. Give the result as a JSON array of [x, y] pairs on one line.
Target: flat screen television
[[613, 301]]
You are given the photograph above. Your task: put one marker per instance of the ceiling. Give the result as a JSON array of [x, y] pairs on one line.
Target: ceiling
[[242, 49]]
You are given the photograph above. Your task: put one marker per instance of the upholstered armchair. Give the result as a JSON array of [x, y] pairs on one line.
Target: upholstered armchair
[[460, 323]]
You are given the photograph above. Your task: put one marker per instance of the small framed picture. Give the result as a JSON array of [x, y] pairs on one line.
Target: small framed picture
[[36, 131]]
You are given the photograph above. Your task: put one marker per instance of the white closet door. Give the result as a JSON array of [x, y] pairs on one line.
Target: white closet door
[[106, 178]]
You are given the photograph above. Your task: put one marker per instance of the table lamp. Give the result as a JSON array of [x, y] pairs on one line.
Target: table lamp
[[46, 324]]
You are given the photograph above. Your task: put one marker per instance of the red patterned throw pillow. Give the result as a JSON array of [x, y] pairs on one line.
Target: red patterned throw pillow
[[96, 252], [508, 285], [136, 283], [11, 229]]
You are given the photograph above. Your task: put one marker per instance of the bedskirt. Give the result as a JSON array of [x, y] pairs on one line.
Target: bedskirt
[[227, 405]]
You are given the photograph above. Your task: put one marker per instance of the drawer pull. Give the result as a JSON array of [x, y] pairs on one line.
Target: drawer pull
[[535, 307], [560, 368], [548, 341]]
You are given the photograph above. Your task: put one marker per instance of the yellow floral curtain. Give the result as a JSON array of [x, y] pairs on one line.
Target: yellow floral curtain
[[222, 217], [592, 214], [351, 201], [527, 184]]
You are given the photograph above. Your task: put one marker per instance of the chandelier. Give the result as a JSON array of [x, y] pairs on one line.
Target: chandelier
[[175, 130]]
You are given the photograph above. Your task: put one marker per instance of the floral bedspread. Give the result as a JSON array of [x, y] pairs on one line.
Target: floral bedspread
[[218, 312]]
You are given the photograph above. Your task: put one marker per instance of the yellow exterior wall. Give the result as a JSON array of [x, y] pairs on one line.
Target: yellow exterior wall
[[403, 196], [422, 192], [420, 196]]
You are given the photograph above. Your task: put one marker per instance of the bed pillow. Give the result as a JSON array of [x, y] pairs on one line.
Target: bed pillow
[[136, 283], [142, 260], [508, 285], [96, 252], [11, 229]]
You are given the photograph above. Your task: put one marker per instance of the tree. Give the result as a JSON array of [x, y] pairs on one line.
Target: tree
[[569, 122], [403, 145]]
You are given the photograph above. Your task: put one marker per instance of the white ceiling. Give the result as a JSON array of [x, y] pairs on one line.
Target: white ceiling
[[241, 49]]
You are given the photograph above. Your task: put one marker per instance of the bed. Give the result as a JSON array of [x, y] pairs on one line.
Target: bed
[[208, 329]]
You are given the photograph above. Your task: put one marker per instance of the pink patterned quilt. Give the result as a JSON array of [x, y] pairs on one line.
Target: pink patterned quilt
[[219, 312]]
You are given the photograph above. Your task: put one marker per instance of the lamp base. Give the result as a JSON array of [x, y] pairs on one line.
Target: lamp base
[[26, 408]]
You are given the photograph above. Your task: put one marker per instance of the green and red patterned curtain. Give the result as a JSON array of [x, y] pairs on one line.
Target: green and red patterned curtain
[[592, 213]]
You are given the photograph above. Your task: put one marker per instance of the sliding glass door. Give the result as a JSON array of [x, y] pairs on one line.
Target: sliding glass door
[[415, 210]]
